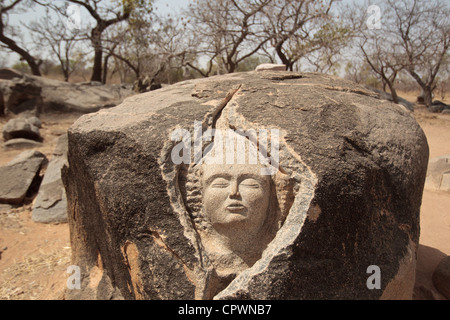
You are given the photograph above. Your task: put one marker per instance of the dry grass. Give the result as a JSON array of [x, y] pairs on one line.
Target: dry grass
[[13, 280]]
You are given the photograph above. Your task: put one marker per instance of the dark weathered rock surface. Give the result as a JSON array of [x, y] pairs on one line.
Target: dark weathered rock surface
[[19, 175], [355, 164], [50, 205], [441, 277]]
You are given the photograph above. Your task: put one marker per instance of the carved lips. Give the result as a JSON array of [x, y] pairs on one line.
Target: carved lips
[[236, 207]]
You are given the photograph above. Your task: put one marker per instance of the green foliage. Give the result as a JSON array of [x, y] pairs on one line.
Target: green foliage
[[22, 67], [250, 63]]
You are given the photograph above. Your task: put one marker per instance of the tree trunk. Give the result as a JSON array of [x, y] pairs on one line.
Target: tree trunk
[[97, 68], [284, 60], [66, 75], [98, 53], [11, 44], [427, 96], [105, 68], [393, 91]]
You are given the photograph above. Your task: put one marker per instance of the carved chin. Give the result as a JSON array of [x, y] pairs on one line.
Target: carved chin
[[231, 217]]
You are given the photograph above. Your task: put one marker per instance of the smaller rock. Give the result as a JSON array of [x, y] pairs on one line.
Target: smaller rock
[[9, 74], [21, 128], [4, 208], [19, 175], [271, 67], [446, 111], [21, 143], [34, 121], [61, 146], [51, 203], [436, 108], [441, 277]]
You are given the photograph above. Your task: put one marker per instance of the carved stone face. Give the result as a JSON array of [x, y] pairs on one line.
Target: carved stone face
[[235, 197]]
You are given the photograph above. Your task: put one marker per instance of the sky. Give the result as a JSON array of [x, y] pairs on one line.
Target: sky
[[6, 58]]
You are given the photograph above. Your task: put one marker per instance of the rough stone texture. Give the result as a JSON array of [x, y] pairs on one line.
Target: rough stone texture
[[441, 277], [355, 165], [50, 205], [438, 174], [21, 143], [38, 94], [18, 176], [21, 128]]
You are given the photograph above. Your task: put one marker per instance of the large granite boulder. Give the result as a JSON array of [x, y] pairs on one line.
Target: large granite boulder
[[152, 216], [441, 277]]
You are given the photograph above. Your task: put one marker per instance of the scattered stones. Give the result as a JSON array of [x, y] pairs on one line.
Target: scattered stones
[[35, 121], [20, 176], [50, 204], [39, 94], [21, 143], [21, 128], [441, 277]]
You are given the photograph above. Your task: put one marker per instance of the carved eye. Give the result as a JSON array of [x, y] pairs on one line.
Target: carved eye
[[220, 183], [250, 183]]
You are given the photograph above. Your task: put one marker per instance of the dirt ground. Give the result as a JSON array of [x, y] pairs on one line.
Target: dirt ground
[[34, 257]]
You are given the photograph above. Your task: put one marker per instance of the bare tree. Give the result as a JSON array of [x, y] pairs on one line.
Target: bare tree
[[105, 16], [377, 47], [423, 32], [326, 46], [150, 46], [227, 31], [413, 37], [290, 26], [51, 33], [6, 7]]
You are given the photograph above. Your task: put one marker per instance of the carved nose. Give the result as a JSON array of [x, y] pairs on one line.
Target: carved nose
[[234, 192]]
